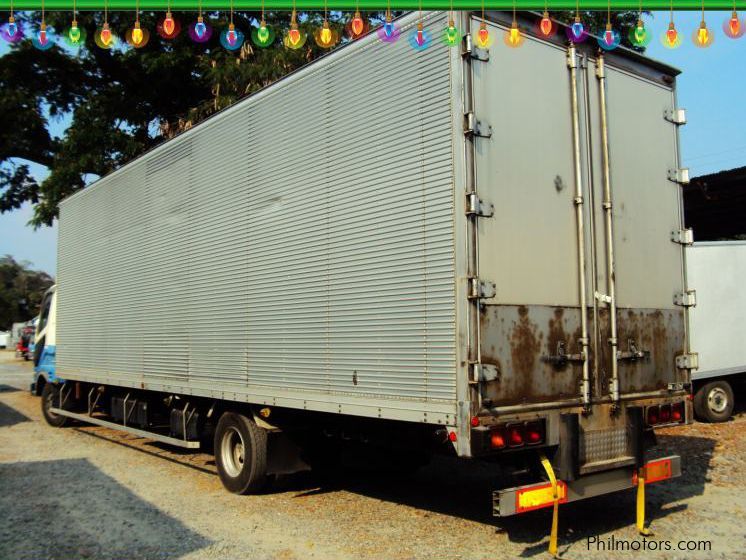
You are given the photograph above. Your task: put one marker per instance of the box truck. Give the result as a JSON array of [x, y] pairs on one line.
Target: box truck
[[451, 250], [716, 270]]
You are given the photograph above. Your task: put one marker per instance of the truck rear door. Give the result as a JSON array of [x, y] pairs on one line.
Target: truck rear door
[[554, 232]]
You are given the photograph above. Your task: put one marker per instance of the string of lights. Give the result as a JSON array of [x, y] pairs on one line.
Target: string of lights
[[326, 36]]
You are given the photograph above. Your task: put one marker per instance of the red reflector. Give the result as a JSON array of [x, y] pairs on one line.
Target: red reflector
[[515, 437], [653, 415], [665, 414], [474, 421], [497, 440], [677, 412], [452, 436]]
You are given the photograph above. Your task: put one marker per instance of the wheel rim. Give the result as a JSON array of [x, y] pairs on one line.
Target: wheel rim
[[49, 403], [717, 400], [232, 452]]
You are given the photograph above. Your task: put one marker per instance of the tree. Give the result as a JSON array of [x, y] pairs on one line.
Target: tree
[[122, 103], [21, 291]]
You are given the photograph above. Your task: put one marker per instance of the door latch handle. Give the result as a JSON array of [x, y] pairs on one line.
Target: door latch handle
[[561, 357], [633, 353]]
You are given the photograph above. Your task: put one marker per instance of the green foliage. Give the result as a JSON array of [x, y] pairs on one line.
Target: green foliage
[[122, 102], [21, 290]]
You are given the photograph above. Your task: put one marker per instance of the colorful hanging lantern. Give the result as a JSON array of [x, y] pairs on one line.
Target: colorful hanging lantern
[[231, 38], [733, 27], [513, 37], [325, 36], [104, 37], [200, 31], [169, 27], [389, 32], [577, 32], [702, 36], [11, 31], [671, 38], [419, 38], [137, 36], [295, 38], [546, 27], [263, 36], [482, 37], [75, 35], [357, 26], [639, 35], [451, 35], [610, 38], [44, 38]]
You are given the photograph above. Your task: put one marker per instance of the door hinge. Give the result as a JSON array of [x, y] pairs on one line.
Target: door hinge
[[676, 116], [683, 236], [483, 372], [474, 53], [680, 176], [686, 299], [687, 361], [475, 206], [481, 289], [473, 127]]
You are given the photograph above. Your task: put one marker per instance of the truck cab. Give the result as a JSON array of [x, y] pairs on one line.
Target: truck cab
[[45, 342]]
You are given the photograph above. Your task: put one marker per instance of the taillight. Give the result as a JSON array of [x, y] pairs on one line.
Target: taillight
[[677, 412], [497, 439], [517, 434], [534, 433], [515, 437], [665, 414]]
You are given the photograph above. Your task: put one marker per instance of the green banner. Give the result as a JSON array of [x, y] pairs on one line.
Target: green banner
[[349, 5]]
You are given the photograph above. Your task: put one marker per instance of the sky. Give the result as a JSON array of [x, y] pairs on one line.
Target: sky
[[711, 89]]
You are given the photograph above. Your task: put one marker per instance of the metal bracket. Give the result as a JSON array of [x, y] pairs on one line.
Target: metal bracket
[[474, 53], [675, 387], [675, 116], [603, 298], [686, 299], [475, 206], [481, 289], [561, 358], [473, 127], [683, 236], [483, 372], [687, 361], [633, 354], [680, 176]]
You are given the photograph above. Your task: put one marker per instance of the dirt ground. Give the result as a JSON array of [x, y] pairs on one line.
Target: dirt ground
[[89, 492]]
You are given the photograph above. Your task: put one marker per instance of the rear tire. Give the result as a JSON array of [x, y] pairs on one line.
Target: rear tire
[[714, 401], [241, 454], [49, 399]]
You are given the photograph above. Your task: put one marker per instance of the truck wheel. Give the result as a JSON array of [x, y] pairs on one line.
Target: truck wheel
[[49, 399], [241, 453], [713, 402]]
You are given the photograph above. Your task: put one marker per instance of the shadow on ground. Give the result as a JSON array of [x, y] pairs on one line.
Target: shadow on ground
[[10, 416], [8, 388], [70, 509], [463, 489]]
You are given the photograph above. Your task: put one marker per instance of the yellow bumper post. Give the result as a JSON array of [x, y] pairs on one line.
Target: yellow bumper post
[[555, 511]]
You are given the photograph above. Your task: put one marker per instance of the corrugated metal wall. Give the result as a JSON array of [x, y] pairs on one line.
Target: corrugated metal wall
[[302, 240]]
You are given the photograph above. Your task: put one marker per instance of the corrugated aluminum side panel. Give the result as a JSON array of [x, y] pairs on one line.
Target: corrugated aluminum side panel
[[300, 243]]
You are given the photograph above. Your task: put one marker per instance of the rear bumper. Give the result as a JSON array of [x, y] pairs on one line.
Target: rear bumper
[[505, 502]]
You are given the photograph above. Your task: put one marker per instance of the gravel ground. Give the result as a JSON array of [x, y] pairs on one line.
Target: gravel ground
[[89, 492]]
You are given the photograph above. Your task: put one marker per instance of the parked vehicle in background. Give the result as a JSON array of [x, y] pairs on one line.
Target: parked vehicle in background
[[447, 279], [5, 339], [44, 341], [717, 271]]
